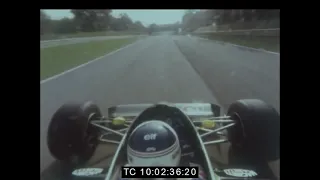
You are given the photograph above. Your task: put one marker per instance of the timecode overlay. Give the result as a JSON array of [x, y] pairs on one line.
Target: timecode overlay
[[160, 172]]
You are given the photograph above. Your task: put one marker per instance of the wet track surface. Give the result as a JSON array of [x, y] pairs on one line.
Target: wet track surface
[[165, 68]]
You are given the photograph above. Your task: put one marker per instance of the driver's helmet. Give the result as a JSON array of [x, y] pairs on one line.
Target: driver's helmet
[[153, 143]]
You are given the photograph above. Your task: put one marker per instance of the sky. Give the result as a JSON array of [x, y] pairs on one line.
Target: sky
[[147, 17]]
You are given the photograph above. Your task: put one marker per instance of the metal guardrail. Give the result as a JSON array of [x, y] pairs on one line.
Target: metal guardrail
[[252, 32]]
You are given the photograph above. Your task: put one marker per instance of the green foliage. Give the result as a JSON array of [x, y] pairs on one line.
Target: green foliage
[[163, 27], [88, 20], [45, 23], [193, 20]]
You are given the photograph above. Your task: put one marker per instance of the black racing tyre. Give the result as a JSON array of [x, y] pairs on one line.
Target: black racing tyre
[[256, 135], [70, 135]]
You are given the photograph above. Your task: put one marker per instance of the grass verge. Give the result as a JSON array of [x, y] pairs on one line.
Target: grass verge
[[267, 43], [57, 59], [88, 34]]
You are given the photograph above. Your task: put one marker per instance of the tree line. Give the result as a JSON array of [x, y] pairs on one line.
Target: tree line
[[92, 20], [192, 19], [153, 28], [88, 21]]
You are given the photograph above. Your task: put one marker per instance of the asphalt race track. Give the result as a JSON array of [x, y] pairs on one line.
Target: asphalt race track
[[165, 68], [233, 73]]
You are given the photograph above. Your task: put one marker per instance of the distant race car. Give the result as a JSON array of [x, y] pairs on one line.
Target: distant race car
[[167, 135]]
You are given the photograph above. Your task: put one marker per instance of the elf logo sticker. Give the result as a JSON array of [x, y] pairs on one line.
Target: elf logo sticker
[[148, 137], [240, 172], [149, 149]]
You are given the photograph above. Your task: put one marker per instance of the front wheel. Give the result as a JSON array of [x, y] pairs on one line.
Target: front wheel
[[255, 139], [70, 136]]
